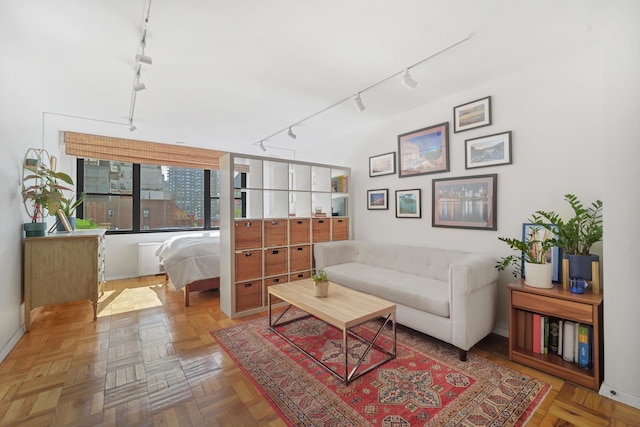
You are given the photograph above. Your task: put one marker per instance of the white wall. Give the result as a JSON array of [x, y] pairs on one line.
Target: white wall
[[621, 125], [557, 149]]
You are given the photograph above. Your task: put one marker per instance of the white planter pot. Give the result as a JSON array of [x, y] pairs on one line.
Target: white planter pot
[[538, 275]]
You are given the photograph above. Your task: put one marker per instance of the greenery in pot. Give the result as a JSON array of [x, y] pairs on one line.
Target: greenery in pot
[[319, 276], [70, 205], [44, 191], [532, 251], [578, 234]]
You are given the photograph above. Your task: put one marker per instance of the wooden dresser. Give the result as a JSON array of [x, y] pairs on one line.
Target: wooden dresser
[[63, 267]]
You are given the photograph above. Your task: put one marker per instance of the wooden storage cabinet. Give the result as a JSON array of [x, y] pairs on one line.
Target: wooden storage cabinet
[[558, 302], [275, 232], [321, 230], [63, 267], [286, 207]]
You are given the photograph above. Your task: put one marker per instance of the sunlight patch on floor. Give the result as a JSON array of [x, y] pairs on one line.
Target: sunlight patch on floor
[[128, 299]]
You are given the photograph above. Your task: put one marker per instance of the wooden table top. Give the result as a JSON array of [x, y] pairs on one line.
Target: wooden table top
[[343, 308]]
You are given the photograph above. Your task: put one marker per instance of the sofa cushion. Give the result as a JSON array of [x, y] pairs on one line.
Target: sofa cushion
[[414, 291]]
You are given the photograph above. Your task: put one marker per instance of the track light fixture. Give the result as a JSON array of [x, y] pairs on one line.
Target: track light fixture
[[358, 102], [143, 59], [408, 81], [131, 126], [137, 86]]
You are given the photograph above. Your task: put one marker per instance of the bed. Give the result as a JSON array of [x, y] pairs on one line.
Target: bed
[[191, 262]]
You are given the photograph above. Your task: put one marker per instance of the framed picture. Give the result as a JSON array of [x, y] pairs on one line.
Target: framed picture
[[532, 232], [490, 150], [471, 115], [64, 220], [424, 151], [465, 202], [378, 199], [383, 164], [408, 204]]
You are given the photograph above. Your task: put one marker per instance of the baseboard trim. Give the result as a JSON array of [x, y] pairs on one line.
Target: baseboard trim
[[12, 342], [502, 332], [620, 396]]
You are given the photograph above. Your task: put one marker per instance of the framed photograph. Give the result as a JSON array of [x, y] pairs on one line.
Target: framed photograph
[[64, 220], [424, 151], [474, 114], [408, 204], [465, 202], [378, 199], [383, 164], [490, 150], [554, 255]]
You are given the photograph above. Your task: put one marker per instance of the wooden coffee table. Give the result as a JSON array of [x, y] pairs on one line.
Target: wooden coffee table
[[343, 308]]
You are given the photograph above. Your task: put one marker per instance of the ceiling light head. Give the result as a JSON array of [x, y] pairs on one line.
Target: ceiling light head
[[408, 81], [144, 59], [262, 147], [358, 102], [132, 128], [139, 86], [291, 134]]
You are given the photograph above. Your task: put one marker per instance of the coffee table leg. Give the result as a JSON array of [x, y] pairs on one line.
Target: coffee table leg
[[346, 356]]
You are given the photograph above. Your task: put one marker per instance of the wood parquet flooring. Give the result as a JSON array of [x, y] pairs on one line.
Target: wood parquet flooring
[[150, 361]]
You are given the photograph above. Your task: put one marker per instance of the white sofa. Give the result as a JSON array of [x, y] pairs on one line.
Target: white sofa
[[450, 295]]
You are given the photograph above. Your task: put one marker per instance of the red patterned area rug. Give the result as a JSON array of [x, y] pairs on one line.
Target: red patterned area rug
[[425, 385]]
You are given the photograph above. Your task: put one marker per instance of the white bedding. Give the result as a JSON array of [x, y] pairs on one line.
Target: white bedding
[[189, 258]]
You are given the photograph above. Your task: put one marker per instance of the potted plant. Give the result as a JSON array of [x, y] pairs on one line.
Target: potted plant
[[69, 206], [533, 254], [42, 190], [576, 236], [321, 283]]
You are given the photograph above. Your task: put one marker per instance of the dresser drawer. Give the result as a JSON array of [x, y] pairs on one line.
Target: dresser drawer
[[248, 234], [248, 265], [273, 281], [300, 258], [248, 295], [276, 261], [275, 232], [299, 231], [570, 310], [321, 230], [339, 228]]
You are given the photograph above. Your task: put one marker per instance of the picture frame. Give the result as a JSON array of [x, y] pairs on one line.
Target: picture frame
[[378, 199], [489, 150], [382, 164], [472, 115], [465, 202], [554, 255], [424, 151], [408, 203]]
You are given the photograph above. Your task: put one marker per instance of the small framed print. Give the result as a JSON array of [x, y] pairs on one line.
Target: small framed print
[[490, 150], [474, 114], [424, 151], [465, 202], [378, 199], [64, 220], [383, 164], [408, 204]]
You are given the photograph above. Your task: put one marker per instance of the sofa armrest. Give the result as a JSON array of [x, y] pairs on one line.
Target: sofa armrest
[[332, 253], [473, 290]]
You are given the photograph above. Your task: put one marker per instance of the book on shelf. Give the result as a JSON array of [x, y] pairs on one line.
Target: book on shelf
[[528, 330], [536, 332], [560, 335], [554, 334], [575, 342], [520, 328], [545, 338], [568, 340], [584, 346]]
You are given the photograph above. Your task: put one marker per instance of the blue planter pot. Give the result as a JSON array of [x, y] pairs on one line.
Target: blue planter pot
[[580, 265], [72, 222]]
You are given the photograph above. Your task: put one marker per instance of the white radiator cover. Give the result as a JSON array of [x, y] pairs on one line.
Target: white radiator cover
[[148, 261]]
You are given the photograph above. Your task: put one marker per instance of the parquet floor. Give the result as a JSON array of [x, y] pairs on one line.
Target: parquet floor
[[150, 361]]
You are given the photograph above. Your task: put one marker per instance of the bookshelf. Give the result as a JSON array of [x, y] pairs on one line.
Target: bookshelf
[[557, 302]]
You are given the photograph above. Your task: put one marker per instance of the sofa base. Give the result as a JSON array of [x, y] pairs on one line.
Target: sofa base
[[463, 355]]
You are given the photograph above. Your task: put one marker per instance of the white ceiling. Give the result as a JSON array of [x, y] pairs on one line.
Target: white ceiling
[[227, 74]]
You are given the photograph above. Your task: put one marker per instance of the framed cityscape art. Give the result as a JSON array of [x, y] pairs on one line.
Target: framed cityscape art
[[465, 202]]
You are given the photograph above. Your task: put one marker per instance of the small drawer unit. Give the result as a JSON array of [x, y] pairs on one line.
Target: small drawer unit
[[340, 228], [273, 281], [275, 232], [300, 258], [299, 231], [321, 230], [299, 276], [276, 261], [248, 295], [248, 234], [248, 265]]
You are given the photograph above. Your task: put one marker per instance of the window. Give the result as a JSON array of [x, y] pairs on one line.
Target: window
[[129, 197]]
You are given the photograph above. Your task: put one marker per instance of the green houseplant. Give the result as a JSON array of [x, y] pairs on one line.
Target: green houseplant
[[532, 254], [69, 206], [321, 283], [576, 236]]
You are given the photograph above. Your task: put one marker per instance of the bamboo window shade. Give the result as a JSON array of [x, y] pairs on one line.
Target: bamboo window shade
[[143, 152]]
